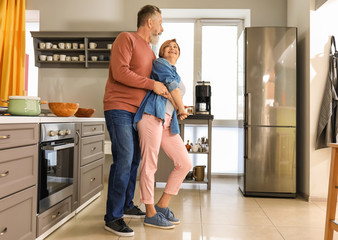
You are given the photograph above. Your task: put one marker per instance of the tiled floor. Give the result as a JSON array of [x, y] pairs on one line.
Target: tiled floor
[[221, 213]]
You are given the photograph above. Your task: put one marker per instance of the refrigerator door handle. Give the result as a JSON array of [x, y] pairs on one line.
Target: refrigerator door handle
[[249, 144], [247, 151], [248, 108]]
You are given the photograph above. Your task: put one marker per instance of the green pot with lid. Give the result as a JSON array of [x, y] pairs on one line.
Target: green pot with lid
[[24, 105]]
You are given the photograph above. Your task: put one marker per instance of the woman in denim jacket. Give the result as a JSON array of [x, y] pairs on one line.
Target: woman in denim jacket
[[157, 125]]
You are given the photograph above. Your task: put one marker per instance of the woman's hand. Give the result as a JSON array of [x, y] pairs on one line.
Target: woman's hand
[[182, 114]]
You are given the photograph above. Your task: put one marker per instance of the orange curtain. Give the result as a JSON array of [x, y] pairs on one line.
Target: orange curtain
[[12, 48]]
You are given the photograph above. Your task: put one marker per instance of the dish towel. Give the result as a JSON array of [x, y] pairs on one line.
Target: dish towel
[[327, 128]]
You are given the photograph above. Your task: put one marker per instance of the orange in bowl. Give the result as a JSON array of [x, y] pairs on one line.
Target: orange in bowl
[[62, 109], [84, 112]]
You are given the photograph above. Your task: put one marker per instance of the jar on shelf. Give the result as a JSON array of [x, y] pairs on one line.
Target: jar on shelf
[[195, 148]]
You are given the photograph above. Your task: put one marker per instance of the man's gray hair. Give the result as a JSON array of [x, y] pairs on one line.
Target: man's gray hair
[[145, 13]]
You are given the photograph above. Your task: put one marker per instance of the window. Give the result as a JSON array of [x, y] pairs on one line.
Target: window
[[219, 66], [183, 32], [209, 52], [32, 24]]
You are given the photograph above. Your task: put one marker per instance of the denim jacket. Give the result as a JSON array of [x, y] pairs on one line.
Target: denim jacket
[[154, 104]]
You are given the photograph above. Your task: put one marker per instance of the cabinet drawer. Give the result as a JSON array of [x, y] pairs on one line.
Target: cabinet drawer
[[91, 181], [89, 129], [15, 135], [92, 149], [18, 215], [18, 169], [49, 218]]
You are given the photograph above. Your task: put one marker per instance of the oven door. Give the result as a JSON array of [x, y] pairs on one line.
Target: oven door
[[56, 164]]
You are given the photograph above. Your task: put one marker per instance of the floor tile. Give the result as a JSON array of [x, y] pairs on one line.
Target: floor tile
[[302, 217], [289, 203], [245, 217], [211, 232], [303, 233], [216, 200]]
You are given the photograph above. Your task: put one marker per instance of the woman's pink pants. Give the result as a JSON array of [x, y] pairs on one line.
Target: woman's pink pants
[[153, 135]]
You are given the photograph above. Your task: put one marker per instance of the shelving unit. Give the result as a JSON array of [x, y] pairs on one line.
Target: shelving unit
[[102, 39], [165, 164]]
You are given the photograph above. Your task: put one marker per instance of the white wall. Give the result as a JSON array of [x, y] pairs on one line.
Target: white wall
[[315, 26], [323, 22], [107, 15]]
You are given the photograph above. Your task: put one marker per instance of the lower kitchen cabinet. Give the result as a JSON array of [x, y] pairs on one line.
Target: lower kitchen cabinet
[[92, 148], [91, 180], [17, 215], [19, 156], [53, 215], [14, 178], [16, 135], [90, 151], [18, 180]]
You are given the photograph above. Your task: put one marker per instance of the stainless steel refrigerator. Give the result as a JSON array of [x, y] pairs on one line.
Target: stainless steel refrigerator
[[267, 166]]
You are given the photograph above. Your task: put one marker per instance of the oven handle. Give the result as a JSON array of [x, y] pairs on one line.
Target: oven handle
[[78, 137], [55, 148]]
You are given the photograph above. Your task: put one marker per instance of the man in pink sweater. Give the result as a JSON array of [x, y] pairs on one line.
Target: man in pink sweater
[[128, 82]]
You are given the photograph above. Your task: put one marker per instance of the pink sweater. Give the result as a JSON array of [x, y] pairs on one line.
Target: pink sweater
[[129, 71]]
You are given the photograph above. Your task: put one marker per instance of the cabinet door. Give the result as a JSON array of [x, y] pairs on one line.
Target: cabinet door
[[15, 135], [91, 180], [18, 169], [92, 128], [49, 218], [92, 149], [18, 215]]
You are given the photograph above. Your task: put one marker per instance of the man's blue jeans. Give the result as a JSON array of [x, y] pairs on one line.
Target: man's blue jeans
[[126, 158]]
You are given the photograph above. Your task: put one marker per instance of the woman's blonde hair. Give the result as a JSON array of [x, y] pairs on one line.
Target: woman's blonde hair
[[166, 44]]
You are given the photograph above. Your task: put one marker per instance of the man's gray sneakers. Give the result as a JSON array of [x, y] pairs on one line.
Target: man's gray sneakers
[[158, 221], [169, 215]]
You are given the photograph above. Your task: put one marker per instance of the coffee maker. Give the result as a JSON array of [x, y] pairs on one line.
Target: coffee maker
[[203, 95]]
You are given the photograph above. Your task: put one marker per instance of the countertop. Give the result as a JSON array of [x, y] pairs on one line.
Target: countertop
[[46, 119], [50, 119], [201, 116]]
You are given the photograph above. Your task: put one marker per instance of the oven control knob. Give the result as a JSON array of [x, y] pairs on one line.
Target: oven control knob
[[61, 132], [68, 132], [51, 133]]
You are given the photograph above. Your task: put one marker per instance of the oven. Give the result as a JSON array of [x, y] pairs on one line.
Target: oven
[[56, 164]]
